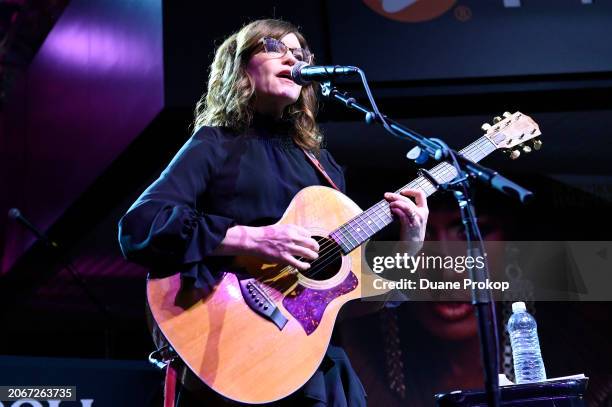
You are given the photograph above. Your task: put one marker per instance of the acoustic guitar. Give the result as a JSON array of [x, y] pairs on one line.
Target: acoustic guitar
[[264, 329]]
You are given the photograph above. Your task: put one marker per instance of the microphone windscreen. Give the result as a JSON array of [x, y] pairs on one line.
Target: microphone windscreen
[[14, 213], [296, 73]]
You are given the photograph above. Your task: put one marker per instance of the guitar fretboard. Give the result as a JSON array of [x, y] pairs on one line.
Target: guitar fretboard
[[365, 225]]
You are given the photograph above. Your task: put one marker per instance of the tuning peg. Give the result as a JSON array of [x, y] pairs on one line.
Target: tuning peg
[[526, 149], [537, 144], [497, 119], [507, 114], [514, 154], [485, 127]]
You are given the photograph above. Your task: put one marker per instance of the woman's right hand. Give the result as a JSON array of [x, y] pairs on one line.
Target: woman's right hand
[[275, 243]]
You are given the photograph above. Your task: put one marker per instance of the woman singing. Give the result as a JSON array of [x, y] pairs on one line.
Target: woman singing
[[234, 178]]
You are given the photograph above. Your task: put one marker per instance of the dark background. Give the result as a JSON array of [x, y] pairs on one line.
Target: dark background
[[97, 96]]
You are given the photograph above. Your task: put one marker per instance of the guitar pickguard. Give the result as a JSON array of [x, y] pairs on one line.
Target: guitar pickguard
[[307, 305]]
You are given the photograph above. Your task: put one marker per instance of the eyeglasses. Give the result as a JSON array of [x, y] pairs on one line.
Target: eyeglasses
[[276, 47]]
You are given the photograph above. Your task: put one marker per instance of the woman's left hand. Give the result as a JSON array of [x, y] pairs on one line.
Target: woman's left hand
[[412, 216]]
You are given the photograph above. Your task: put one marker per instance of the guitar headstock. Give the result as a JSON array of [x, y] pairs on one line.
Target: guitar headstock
[[514, 130]]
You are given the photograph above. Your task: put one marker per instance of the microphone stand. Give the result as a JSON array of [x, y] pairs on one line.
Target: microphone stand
[[67, 264], [432, 147], [426, 147]]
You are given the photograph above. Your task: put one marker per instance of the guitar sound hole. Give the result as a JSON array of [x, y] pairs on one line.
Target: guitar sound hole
[[329, 261]]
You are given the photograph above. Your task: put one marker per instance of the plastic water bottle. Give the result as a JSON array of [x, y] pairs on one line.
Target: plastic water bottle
[[523, 330]]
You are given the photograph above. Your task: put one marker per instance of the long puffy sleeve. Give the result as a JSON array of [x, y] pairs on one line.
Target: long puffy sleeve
[[163, 229]]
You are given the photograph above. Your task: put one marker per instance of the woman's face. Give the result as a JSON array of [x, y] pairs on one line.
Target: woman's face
[[274, 90], [454, 321]]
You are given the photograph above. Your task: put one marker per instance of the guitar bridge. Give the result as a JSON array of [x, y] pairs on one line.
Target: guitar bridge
[[257, 299]]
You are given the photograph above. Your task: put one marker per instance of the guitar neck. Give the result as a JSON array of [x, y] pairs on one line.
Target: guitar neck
[[365, 225]]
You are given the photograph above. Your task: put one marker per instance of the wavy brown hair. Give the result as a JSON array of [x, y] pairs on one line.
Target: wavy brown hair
[[228, 101]]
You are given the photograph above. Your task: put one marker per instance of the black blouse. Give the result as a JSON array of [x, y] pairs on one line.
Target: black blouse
[[219, 179]]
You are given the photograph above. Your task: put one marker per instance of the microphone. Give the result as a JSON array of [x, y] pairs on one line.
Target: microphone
[[303, 74], [15, 213]]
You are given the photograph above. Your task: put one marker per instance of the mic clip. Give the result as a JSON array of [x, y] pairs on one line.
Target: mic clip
[[327, 89]]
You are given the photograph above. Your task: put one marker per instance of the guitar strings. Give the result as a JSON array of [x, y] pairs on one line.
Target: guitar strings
[[446, 169], [324, 249], [328, 256], [380, 206], [328, 250], [420, 182]]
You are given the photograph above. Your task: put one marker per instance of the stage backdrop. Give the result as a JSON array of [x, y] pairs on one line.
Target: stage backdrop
[[396, 40]]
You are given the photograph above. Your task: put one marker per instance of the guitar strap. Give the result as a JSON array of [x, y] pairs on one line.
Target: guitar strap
[[170, 383], [320, 168]]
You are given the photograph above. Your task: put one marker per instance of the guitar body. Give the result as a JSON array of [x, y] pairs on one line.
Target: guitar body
[[241, 354]]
